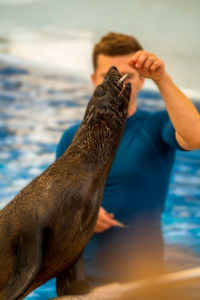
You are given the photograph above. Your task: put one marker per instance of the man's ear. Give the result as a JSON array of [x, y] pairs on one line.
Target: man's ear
[[93, 78]]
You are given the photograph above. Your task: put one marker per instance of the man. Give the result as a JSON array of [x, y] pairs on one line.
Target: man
[[137, 184]]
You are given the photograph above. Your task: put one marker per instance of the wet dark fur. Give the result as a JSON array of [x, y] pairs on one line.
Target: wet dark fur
[[45, 228]]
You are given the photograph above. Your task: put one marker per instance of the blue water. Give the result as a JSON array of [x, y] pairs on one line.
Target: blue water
[[35, 108]]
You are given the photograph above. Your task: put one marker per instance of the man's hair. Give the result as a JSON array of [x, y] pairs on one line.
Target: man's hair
[[113, 44]]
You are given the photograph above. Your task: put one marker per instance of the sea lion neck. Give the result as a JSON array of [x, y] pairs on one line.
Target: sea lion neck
[[99, 134], [98, 139]]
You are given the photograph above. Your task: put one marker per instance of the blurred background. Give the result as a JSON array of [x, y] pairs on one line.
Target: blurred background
[[45, 66], [60, 34]]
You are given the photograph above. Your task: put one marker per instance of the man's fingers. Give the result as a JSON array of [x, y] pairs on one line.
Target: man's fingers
[[150, 60], [156, 64], [102, 226], [111, 215], [141, 60], [136, 56], [107, 220], [148, 65]]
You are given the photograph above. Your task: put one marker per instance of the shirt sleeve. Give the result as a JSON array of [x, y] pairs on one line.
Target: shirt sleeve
[[168, 135], [66, 140]]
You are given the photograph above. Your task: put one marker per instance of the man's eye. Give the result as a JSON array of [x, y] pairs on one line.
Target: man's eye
[[100, 91], [130, 76]]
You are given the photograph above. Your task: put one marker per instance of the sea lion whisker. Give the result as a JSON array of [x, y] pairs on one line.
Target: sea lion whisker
[[123, 98], [121, 94]]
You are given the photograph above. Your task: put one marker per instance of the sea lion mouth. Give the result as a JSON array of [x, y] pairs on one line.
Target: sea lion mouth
[[116, 81], [114, 77], [118, 90]]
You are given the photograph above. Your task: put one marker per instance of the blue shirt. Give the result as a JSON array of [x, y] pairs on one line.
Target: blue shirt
[[135, 193]]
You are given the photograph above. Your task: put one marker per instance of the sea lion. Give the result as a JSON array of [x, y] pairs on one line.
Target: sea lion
[[45, 228]]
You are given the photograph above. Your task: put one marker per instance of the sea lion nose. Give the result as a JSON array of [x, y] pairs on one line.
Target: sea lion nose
[[113, 74]]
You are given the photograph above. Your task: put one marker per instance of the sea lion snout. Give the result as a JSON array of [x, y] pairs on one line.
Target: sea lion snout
[[110, 99], [113, 74], [111, 91], [112, 77]]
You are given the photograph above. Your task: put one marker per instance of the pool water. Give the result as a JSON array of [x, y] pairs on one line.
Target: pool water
[[36, 107]]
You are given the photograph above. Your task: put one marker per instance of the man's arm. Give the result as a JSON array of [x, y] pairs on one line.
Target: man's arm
[[183, 114]]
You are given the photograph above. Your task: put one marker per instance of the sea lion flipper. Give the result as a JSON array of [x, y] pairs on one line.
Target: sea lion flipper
[[73, 281], [27, 264]]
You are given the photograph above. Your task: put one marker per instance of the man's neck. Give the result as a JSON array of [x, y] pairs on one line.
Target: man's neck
[[131, 110]]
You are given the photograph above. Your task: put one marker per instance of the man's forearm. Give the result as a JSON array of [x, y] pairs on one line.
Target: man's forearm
[[183, 114]]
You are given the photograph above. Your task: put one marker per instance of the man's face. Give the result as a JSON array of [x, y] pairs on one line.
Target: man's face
[[121, 62]]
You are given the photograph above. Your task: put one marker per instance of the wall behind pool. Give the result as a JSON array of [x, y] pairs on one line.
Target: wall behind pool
[[60, 34]]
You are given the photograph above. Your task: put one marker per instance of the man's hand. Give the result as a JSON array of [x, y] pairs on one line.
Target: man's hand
[[104, 221], [183, 114], [148, 65]]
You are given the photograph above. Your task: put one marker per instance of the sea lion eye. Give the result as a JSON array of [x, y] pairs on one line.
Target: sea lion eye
[[100, 91]]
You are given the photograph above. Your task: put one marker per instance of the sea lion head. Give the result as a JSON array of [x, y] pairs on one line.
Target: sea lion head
[[102, 127], [110, 99]]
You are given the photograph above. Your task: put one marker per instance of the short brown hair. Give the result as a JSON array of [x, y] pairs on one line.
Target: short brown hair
[[113, 44]]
